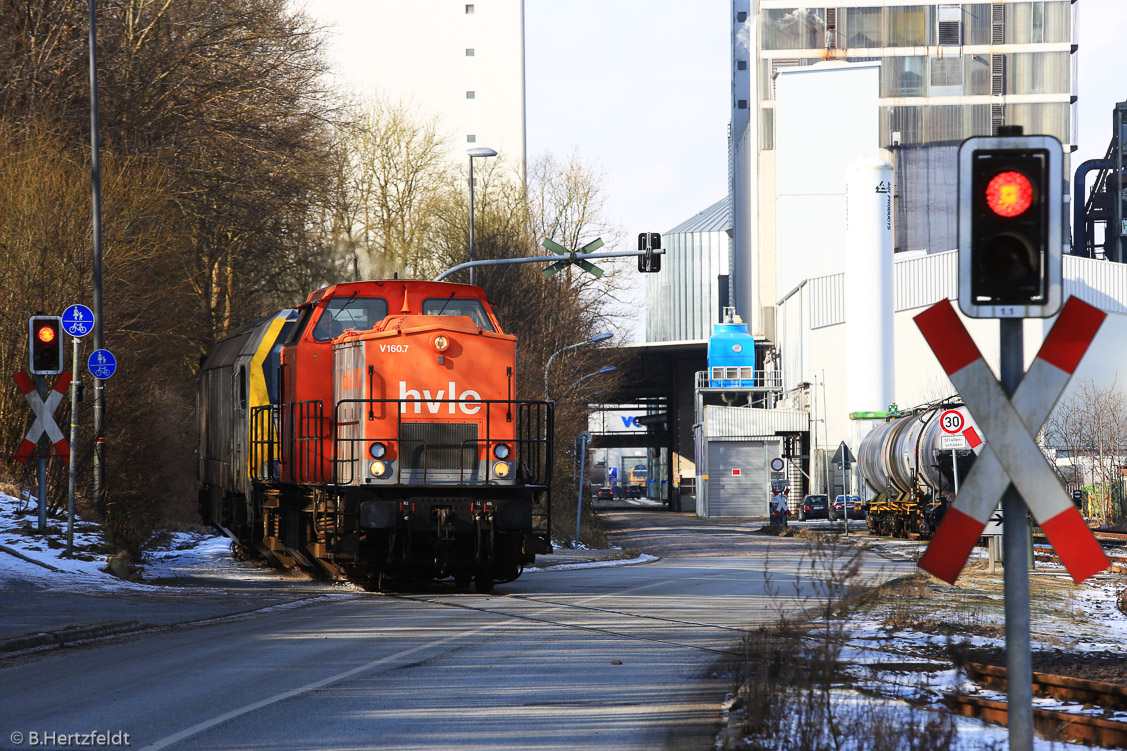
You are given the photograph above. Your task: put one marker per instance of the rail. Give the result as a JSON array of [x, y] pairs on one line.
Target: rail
[[1069, 726]]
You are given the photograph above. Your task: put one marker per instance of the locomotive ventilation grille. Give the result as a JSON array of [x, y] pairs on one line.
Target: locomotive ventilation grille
[[438, 445]]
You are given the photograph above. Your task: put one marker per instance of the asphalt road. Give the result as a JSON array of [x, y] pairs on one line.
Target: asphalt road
[[622, 657]]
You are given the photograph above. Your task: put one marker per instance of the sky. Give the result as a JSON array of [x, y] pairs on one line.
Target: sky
[[639, 89]]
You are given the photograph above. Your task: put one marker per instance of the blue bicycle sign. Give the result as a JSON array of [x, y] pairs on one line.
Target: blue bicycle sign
[[78, 320], [101, 364]]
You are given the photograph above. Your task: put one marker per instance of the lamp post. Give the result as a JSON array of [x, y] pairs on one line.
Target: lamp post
[[593, 340], [581, 379], [480, 152]]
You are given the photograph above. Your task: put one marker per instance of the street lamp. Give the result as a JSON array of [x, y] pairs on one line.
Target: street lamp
[[481, 152], [600, 371], [593, 340]]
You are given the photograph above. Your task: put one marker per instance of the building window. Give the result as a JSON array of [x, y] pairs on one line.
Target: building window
[[469, 51], [1038, 31], [741, 65], [471, 139], [469, 9], [471, 95]]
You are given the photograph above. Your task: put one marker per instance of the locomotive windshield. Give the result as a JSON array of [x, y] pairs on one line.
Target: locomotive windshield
[[342, 313], [458, 306]]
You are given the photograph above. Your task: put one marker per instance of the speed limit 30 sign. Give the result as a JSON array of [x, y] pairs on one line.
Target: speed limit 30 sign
[[952, 421]]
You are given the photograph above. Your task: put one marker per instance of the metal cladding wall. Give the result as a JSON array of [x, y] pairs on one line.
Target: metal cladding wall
[[744, 494], [683, 301], [735, 448]]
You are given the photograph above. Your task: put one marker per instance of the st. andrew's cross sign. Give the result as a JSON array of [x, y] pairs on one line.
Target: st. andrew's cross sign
[[1011, 454]]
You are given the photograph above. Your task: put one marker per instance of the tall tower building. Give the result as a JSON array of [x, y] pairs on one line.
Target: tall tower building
[[462, 61], [947, 71]]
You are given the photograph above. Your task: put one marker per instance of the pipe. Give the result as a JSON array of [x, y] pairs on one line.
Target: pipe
[[1079, 200]]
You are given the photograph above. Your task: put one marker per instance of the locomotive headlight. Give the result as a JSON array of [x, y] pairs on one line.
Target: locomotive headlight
[[441, 343], [501, 469], [737, 348], [377, 450], [501, 451], [377, 468]]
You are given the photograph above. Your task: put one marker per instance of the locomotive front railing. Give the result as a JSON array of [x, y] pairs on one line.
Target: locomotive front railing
[[414, 463]]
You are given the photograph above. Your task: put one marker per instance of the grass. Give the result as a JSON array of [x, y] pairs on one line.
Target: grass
[[790, 691]]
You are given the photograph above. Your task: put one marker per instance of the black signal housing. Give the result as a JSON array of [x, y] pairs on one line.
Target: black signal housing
[[1010, 232], [45, 345]]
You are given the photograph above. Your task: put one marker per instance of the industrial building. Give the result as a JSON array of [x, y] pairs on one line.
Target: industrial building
[[881, 94], [462, 62]]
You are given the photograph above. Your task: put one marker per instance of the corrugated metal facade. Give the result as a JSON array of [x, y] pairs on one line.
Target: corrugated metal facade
[[734, 450], [922, 280], [742, 422], [683, 300], [738, 482]]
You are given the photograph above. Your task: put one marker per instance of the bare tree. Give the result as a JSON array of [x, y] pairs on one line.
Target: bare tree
[[1090, 425], [397, 182]]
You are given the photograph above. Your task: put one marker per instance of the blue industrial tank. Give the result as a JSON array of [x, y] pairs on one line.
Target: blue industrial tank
[[731, 355]]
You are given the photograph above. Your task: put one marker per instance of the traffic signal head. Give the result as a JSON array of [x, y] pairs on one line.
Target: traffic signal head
[[649, 242], [1010, 232], [45, 345]]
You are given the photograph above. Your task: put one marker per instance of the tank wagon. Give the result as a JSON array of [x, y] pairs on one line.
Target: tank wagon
[[372, 433], [913, 476]]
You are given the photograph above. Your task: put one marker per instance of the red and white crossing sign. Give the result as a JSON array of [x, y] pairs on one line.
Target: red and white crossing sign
[[1011, 455], [44, 422]]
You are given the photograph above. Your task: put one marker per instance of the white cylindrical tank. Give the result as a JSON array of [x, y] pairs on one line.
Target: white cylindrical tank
[[868, 286]]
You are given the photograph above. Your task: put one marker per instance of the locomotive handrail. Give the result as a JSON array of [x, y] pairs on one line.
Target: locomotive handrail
[[531, 438]]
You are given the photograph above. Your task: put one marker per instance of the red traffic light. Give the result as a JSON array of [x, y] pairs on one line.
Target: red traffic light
[[46, 334], [1009, 194]]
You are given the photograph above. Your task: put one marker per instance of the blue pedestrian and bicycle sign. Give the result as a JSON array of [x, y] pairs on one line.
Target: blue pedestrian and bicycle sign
[[101, 364], [78, 320]]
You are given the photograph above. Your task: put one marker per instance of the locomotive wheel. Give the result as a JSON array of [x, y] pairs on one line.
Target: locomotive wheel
[[461, 581]]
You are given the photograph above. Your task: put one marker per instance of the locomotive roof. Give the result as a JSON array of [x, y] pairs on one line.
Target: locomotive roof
[[347, 288]]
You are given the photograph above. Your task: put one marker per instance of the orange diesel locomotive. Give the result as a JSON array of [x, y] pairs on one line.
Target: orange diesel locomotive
[[373, 433]]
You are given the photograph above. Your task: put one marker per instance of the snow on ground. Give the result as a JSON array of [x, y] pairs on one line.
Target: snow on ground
[[178, 554], [1067, 618]]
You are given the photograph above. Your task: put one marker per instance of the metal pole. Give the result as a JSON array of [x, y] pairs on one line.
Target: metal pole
[[99, 339], [955, 470], [471, 222], [579, 504], [41, 465], [1015, 553], [73, 443]]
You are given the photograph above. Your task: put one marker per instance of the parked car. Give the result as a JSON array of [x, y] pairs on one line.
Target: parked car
[[851, 503], [605, 493], [814, 507]]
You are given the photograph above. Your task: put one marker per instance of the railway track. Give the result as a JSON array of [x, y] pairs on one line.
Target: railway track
[[1068, 726]]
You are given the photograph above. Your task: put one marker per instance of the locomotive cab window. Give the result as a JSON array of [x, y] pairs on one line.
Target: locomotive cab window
[[457, 306], [343, 313]]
